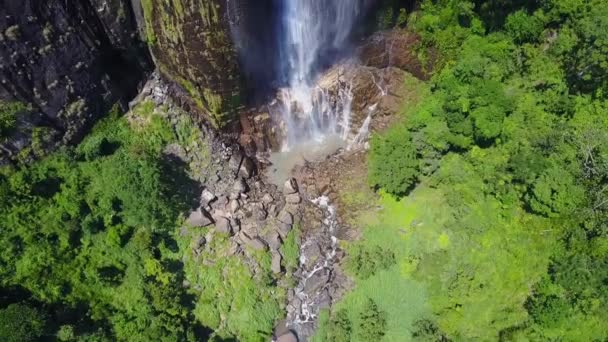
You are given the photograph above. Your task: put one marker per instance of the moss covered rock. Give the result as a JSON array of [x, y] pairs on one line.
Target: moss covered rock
[[191, 44]]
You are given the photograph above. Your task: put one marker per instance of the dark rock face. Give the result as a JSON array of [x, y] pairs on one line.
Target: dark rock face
[[191, 44], [70, 61]]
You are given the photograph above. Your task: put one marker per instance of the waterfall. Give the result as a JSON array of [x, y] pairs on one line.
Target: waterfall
[[314, 33]]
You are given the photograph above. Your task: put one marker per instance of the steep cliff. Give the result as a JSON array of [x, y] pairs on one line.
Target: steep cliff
[[64, 63], [191, 44]]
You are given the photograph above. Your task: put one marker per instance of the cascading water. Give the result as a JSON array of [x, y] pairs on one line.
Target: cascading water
[[314, 34]]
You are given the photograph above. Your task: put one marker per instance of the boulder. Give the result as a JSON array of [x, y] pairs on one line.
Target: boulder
[[289, 337], [199, 218], [255, 243], [247, 169], [293, 198], [276, 263], [235, 162], [291, 186], [316, 282], [284, 229], [286, 217], [267, 199], [274, 241], [240, 186], [207, 197], [234, 205], [222, 225]]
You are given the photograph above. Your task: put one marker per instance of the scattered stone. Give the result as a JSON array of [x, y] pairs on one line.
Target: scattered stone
[[223, 225], [221, 202], [324, 300], [199, 218], [276, 263], [249, 229], [207, 197], [199, 242], [260, 213], [234, 248], [236, 225], [293, 198], [234, 205], [247, 169], [240, 186], [286, 217], [291, 186], [255, 243], [273, 210], [235, 162], [284, 229], [289, 337], [274, 241], [267, 199]]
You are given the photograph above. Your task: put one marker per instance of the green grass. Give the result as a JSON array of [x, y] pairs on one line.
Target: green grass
[[402, 297]]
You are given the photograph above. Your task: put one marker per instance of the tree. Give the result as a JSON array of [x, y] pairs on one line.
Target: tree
[[373, 322], [340, 327], [21, 323], [524, 28], [393, 163]]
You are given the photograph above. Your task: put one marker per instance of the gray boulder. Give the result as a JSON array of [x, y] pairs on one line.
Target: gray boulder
[[293, 198], [276, 263], [222, 225], [291, 186], [247, 169], [199, 218], [289, 337]]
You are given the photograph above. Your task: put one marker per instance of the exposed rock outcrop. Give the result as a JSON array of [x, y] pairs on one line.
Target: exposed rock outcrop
[[191, 44], [69, 62]]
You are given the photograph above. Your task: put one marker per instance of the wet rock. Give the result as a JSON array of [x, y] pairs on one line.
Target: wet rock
[[324, 300], [293, 198], [240, 186], [247, 169], [199, 218], [222, 225], [291, 186], [276, 263], [316, 282], [289, 337], [311, 252]]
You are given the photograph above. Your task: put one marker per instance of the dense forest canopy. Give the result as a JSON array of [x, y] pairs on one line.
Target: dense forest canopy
[[499, 175]]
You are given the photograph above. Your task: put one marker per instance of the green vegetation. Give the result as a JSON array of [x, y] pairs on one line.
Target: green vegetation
[[20, 323], [95, 230], [8, 116], [493, 186]]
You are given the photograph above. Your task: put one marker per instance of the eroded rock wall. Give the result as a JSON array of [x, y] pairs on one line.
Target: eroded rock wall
[[68, 62], [191, 44]]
